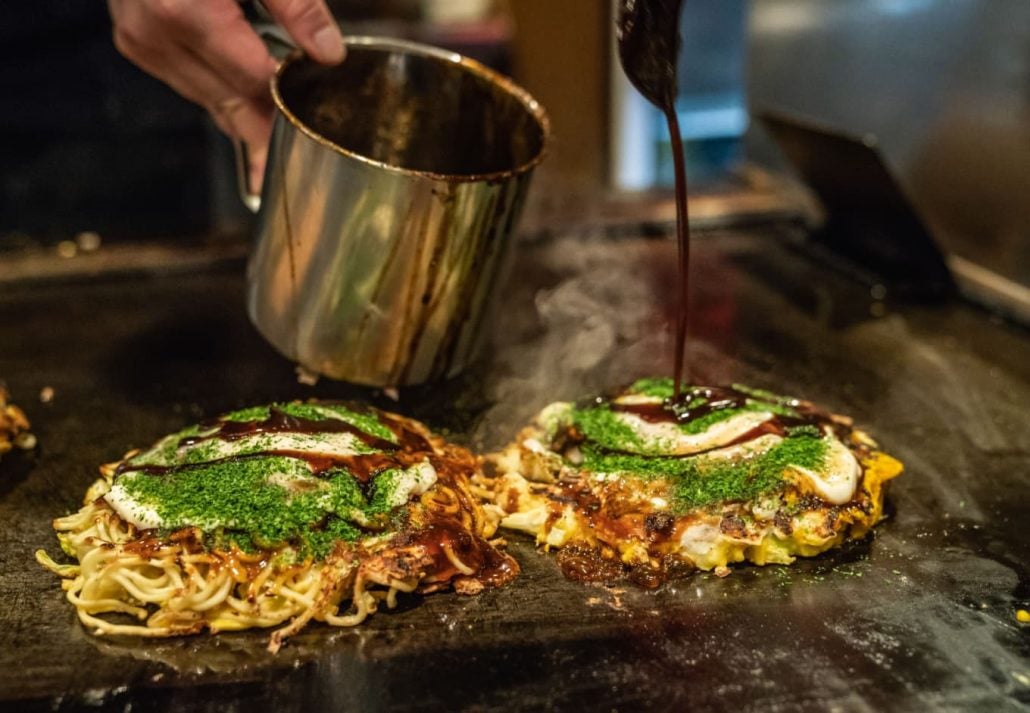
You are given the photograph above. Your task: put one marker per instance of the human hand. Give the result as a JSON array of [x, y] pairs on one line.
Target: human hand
[[209, 53]]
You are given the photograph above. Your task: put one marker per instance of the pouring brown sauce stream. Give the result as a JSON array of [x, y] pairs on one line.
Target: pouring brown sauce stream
[[649, 44]]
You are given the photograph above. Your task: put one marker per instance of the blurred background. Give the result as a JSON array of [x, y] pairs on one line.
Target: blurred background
[[97, 155]]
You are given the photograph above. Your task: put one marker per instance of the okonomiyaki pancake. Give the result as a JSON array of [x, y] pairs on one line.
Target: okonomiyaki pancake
[[274, 516], [643, 486]]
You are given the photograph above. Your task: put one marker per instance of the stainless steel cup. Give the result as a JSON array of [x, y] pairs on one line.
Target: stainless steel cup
[[392, 189]]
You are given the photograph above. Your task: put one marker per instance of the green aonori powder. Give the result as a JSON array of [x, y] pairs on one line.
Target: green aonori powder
[[269, 500], [601, 425], [697, 482], [315, 412]]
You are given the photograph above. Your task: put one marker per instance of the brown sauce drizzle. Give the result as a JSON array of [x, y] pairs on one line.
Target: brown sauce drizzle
[[719, 398], [146, 546], [411, 447], [490, 566], [649, 44], [280, 422], [581, 563], [444, 530], [409, 439], [362, 466], [683, 242]]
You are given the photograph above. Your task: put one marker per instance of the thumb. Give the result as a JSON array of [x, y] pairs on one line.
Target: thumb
[[312, 26]]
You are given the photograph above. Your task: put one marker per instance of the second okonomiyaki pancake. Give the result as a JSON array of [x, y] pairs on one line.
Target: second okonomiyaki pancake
[[643, 486]]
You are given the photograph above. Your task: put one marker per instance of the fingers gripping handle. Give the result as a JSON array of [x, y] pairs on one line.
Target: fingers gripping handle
[[279, 45]]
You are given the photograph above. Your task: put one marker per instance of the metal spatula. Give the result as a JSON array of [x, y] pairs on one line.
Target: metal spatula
[[649, 42]]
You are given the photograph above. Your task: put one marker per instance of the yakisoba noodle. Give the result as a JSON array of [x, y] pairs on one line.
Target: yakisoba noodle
[[275, 516]]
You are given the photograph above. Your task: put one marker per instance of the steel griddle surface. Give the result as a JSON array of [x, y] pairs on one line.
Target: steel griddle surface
[[919, 617]]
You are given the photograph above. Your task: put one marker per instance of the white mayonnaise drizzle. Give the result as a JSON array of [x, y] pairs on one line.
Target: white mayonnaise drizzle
[[413, 481], [142, 516], [667, 438], [322, 444], [838, 478], [835, 482]]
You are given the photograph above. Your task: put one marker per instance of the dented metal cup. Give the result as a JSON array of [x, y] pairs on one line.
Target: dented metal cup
[[392, 189]]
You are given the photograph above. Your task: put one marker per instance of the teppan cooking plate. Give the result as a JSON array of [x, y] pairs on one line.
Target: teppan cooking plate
[[919, 617]]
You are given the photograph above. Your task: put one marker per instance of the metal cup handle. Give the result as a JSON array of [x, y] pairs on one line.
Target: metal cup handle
[[250, 197], [279, 45]]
